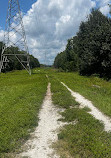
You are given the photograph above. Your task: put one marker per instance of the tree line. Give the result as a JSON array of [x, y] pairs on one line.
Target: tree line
[[14, 64], [89, 52]]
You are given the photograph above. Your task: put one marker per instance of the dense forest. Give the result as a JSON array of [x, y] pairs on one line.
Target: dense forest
[[14, 63], [89, 52]]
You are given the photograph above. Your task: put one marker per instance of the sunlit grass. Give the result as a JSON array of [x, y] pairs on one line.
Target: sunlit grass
[[21, 96], [86, 138], [93, 88]]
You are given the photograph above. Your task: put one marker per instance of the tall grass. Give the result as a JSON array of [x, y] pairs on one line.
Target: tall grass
[[21, 97], [84, 137]]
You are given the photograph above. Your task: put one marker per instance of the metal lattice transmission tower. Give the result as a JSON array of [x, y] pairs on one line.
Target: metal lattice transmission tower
[[15, 38]]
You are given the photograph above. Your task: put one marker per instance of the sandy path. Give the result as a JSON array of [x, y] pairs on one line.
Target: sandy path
[[46, 132], [94, 111]]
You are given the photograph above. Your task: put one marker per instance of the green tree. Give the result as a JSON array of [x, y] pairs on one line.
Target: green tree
[[34, 62], [67, 60], [90, 50], [60, 60], [94, 46], [1, 45], [14, 64]]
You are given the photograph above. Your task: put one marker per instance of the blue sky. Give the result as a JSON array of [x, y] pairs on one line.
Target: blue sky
[[25, 5], [50, 23]]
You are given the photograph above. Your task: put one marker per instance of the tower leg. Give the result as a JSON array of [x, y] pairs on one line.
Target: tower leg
[[17, 47]]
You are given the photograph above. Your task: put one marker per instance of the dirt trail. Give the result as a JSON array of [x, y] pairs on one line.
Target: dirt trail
[[94, 111], [46, 132]]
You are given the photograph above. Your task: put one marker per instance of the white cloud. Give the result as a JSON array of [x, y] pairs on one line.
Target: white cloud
[[50, 23], [105, 9], [103, 5], [1, 35]]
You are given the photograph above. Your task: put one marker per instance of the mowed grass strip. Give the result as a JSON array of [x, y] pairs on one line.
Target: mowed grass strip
[[60, 94], [21, 96], [84, 139], [93, 88]]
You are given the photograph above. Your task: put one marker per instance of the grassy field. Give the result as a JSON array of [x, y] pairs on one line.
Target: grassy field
[[87, 137], [93, 88], [21, 96]]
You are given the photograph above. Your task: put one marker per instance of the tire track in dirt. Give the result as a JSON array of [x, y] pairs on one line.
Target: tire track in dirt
[[94, 111], [46, 132]]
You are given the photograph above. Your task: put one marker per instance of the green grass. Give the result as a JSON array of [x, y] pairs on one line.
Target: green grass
[[93, 88], [21, 96], [60, 94], [87, 137]]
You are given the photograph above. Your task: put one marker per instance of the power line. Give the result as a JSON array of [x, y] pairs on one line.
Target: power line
[[14, 36]]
